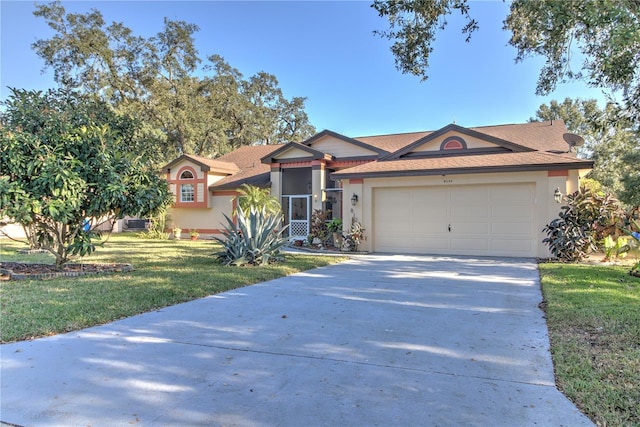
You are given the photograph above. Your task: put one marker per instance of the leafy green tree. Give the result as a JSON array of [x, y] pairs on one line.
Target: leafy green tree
[[66, 168], [611, 140], [605, 33], [155, 79]]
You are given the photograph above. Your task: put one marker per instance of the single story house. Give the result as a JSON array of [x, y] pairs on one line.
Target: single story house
[[455, 191]]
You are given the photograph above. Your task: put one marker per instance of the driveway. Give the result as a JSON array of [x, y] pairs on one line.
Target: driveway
[[378, 340]]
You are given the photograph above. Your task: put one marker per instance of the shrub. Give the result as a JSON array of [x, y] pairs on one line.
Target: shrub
[[256, 240], [318, 226], [585, 221], [353, 237]]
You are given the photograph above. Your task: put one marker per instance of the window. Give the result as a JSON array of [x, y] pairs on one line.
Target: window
[[453, 143], [186, 193]]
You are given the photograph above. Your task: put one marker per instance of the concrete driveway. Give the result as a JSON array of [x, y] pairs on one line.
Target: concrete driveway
[[375, 341]]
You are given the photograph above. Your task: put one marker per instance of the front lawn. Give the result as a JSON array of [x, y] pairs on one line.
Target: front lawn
[[593, 314], [166, 272]]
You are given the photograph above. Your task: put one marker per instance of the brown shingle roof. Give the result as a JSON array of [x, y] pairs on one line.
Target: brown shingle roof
[[534, 160], [542, 136], [251, 170], [205, 164], [392, 143]]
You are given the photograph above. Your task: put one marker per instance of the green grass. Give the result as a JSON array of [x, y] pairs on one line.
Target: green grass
[[166, 273], [593, 314]]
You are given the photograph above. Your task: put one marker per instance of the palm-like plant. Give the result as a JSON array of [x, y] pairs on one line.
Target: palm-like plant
[[258, 198]]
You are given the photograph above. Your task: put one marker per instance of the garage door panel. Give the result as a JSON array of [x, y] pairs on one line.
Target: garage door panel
[[429, 228], [513, 211], [470, 228], [485, 220], [513, 246], [519, 229], [430, 244], [475, 245]]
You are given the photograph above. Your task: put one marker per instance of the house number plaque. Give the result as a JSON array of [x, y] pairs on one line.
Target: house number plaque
[[447, 181]]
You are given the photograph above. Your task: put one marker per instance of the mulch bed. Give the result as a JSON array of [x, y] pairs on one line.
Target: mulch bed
[[31, 271]]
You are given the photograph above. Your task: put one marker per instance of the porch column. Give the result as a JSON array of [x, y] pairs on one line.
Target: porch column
[[276, 180], [317, 183]]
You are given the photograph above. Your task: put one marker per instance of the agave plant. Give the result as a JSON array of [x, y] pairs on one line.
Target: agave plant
[[256, 239]]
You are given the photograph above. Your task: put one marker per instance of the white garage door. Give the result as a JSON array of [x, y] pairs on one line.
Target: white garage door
[[493, 220]]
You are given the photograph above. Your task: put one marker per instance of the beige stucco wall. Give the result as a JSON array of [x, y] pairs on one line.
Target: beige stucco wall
[[545, 208], [209, 221], [295, 153], [434, 145], [339, 148]]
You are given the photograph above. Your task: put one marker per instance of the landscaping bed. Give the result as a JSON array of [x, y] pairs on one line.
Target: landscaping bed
[[39, 271]]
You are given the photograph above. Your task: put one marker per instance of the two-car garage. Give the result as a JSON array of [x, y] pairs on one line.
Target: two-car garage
[[490, 220]]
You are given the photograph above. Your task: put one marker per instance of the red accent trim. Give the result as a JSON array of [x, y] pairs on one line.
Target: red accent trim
[[295, 165], [558, 173], [318, 162], [356, 181]]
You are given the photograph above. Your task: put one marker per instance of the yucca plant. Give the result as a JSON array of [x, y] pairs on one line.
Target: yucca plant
[[256, 239]]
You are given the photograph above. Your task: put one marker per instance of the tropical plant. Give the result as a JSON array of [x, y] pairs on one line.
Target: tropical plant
[[352, 238], [252, 197], [335, 225], [193, 233], [255, 240], [62, 167], [614, 249], [586, 220], [318, 227]]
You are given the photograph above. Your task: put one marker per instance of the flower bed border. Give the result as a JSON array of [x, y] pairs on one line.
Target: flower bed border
[[106, 268]]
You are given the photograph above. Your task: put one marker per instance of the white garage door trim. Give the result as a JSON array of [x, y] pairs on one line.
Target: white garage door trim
[[487, 220]]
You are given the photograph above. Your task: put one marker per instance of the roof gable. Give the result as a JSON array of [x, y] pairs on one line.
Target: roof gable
[[205, 165], [294, 151], [343, 147], [456, 140]]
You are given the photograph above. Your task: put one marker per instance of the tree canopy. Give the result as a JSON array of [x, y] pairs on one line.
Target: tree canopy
[[605, 33], [188, 105], [611, 141], [67, 165]]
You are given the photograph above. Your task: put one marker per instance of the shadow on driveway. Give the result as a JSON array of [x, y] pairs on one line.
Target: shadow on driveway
[[377, 340]]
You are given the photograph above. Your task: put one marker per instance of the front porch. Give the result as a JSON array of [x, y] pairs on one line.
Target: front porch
[[304, 191]]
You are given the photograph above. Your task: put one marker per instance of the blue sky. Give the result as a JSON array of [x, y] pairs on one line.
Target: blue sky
[[325, 51]]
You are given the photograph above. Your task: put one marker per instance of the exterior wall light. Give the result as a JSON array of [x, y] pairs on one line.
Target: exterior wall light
[[557, 195], [354, 199]]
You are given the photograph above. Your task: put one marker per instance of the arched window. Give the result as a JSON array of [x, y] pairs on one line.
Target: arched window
[[186, 175], [453, 143], [187, 193]]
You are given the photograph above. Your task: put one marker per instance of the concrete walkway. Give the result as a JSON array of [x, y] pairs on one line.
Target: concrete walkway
[[376, 341]]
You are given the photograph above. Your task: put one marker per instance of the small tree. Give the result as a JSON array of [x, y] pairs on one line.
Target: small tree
[[258, 198], [583, 223], [63, 172]]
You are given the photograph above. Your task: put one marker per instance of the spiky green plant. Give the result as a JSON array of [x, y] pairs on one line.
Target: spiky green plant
[[256, 197], [256, 239]]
